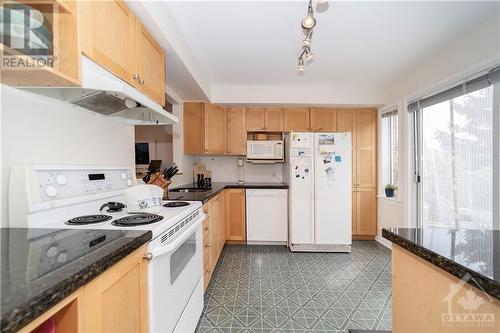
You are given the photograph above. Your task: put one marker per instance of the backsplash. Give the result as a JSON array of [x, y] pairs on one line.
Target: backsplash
[[225, 169]]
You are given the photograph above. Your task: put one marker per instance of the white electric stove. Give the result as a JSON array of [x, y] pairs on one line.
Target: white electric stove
[[62, 197]]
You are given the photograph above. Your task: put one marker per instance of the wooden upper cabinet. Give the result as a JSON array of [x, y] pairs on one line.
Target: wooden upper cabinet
[[115, 39], [323, 120], [194, 127], [296, 119], [215, 129], [265, 119], [149, 76], [108, 36], [346, 122], [274, 119], [366, 147], [235, 215], [236, 135], [256, 119]]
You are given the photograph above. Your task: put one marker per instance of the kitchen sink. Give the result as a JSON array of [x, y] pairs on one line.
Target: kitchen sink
[[189, 189]]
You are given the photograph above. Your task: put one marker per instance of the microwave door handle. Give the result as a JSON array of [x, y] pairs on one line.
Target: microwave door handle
[[172, 246]]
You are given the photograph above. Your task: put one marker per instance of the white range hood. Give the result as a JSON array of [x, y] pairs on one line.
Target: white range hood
[[104, 93]]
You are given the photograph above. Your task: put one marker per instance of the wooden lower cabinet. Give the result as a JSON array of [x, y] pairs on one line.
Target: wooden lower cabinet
[[115, 301], [214, 234], [225, 221], [235, 215], [423, 299], [364, 213]]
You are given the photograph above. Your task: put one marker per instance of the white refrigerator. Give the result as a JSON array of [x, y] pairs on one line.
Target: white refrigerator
[[319, 171]]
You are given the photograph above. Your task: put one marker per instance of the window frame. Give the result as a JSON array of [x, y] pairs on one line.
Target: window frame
[[394, 110], [416, 126]]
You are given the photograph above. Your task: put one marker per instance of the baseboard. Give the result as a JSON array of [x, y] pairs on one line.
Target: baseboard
[[363, 237], [383, 241]]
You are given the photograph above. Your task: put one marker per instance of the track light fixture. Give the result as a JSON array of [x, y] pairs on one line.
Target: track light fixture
[[307, 24]]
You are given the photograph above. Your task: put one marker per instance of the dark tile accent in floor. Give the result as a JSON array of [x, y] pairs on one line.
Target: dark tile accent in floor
[[270, 289]]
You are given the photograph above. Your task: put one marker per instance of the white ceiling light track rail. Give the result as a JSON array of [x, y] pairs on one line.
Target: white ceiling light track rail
[[308, 24]]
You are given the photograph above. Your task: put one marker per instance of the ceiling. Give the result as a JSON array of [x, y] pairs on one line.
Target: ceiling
[[258, 42]]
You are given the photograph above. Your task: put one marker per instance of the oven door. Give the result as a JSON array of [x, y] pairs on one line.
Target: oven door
[[175, 269]]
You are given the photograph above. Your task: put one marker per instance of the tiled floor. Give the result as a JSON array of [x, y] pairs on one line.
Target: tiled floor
[[270, 289]]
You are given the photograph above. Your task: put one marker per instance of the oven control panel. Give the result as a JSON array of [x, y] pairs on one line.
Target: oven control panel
[[57, 184]]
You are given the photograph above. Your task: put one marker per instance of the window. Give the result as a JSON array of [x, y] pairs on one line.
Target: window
[[455, 156], [389, 147]]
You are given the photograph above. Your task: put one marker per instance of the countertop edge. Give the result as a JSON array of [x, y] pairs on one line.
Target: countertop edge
[[214, 192], [17, 318], [488, 285]]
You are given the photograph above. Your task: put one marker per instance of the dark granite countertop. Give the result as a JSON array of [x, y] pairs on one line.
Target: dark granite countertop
[[217, 188], [32, 282], [458, 252]]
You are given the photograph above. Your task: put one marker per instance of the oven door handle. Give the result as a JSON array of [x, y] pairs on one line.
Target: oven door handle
[[170, 247]]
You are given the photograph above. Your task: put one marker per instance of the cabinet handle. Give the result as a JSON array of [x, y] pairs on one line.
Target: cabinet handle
[[205, 211], [207, 228], [207, 271], [141, 81], [207, 245], [135, 77]]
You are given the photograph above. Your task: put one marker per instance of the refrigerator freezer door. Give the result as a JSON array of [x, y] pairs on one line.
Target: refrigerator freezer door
[[332, 153], [301, 188]]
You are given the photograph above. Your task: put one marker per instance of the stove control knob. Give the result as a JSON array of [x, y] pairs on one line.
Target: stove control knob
[[52, 251], [123, 175], [51, 191], [62, 257], [129, 182], [61, 180]]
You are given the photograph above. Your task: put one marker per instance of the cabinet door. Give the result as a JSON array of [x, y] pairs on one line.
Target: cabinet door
[[108, 36], [236, 135], [274, 119], [366, 148], [346, 122], [296, 119], [150, 65], [235, 215], [207, 241], [117, 300], [194, 127], [215, 129], [256, 119], [354, 211], [366, 211], [213, 213], [323, 120], [221, 223]]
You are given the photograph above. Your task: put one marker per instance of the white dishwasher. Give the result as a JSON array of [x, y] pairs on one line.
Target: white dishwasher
[[267, 216]]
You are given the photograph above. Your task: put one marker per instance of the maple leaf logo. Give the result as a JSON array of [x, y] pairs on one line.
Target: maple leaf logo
[[471, 301]]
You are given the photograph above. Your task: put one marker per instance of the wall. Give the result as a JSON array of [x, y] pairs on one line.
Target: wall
[[45, 130], [160, 142], [225, 169], [472, 52], [184, 162]]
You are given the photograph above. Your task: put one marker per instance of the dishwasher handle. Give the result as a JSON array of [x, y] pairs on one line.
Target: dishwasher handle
[[274, 193]]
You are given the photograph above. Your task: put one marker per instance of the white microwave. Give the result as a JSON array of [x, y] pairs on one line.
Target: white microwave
[[265, 151]]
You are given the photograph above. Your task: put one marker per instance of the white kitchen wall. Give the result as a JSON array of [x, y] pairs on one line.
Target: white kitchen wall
[[225, 169], [469, 53], [44, 130]]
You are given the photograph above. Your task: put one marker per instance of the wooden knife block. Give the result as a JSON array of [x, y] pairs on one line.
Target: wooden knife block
[[158, 180]]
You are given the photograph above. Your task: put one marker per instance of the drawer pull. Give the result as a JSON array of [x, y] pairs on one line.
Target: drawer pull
[[207, 271], [207, 228], [207, 245]]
